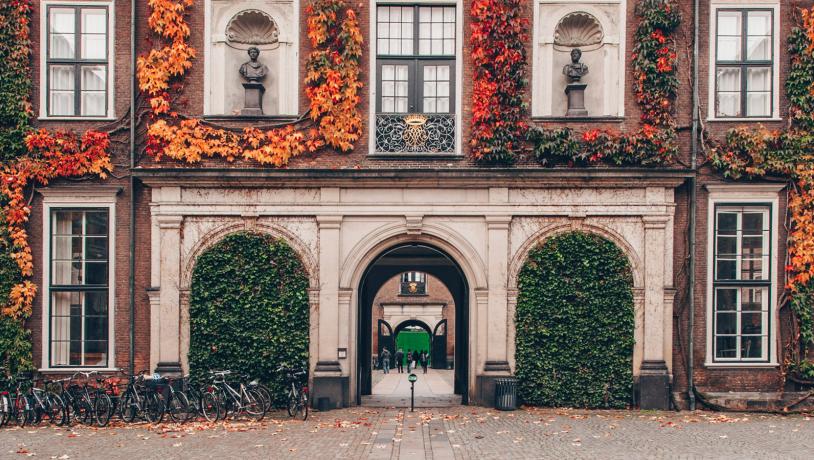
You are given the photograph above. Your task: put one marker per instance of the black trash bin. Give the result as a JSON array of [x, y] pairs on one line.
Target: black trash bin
[[506, 393]]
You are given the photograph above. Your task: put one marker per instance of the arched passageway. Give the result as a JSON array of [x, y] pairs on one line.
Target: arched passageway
[[404, 258]]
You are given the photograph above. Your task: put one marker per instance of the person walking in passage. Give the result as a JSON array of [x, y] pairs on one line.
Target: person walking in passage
[[400, 360], [385, 360], [424, 358], [409, 360]]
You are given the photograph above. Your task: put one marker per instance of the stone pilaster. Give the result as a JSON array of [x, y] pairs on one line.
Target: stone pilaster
[[497, 310], [169, 350], [654, 380]]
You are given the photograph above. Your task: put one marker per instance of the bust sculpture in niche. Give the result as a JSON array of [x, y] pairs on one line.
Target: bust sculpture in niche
[[575, 70], [575, 90], [254, 72]]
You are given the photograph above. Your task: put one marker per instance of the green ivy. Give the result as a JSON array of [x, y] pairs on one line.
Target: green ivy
[[574, 320], [15, 340], [15, 78], [800, 80], [249, 309]]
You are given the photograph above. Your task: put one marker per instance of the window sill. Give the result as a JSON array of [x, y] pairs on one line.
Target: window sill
[[744, 119], [588, 119], [72, 370], [740, 365], [272, 118], [77, 119], [415, 156]]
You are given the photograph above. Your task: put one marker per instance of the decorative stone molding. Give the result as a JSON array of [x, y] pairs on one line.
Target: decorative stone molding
[[578, 29], [414, 224], [169, 222], [252, 27]]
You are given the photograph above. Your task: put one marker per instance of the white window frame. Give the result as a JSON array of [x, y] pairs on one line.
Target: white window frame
[[373, 97], [716, 5], [542, 73], [737, 195], [97, 197], [111, 58]]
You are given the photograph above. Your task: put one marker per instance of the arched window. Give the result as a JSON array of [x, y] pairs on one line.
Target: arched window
[[413, 283]]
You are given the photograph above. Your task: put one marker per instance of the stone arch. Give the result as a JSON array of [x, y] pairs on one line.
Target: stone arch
[[219, 233], [379, 240], [636, 264], [566, 10]]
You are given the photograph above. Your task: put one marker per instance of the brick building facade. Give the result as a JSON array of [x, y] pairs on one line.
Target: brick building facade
[[343, 212]]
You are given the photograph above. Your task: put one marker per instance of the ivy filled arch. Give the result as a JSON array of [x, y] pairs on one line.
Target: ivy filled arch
[[249, 309], [575, 323]]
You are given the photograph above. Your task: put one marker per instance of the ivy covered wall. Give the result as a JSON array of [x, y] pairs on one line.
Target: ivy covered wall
[[249, 309], [574, 323]]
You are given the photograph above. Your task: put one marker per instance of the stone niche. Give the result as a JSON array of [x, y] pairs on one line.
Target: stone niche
[[235, 26], [594, 28]]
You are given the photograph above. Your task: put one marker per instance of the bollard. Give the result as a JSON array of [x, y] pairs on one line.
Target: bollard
[[412, 378]]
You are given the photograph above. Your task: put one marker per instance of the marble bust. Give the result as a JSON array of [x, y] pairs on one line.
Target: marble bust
[[575, 70], [253, 70]]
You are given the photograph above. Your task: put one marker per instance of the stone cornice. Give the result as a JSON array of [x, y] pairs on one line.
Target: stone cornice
[[441, 178]]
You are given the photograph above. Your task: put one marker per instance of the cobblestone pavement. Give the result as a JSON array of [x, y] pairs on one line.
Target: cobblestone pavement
[[451, 433]]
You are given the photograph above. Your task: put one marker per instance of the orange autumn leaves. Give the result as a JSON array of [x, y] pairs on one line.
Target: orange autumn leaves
[[332, 79], [51, 156]]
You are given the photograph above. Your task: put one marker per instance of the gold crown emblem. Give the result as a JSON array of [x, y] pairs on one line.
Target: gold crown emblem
[[415, 119]]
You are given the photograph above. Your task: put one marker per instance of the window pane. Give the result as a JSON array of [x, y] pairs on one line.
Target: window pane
[[96, 273], [62, 29], [759, 23], [759, 79], [758, 104], [728, 91], [96, 222], [759, 48], [93, 90], [752, 269], [729, 48], [751, 323], [96, 248], [726, 323], [752, 300], [726, 299], [725, 347], [388, 88], [94, 46], [729, 23], [727, 246], [436, 31], [94, 21], [729, 79], [727, 223], [752, 347], [753, 223], [61, 84], [726, 270]]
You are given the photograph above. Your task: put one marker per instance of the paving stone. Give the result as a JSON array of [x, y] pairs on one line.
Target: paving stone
[[458, 432]]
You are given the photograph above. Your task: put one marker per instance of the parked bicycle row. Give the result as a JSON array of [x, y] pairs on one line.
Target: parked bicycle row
[[90, 398]]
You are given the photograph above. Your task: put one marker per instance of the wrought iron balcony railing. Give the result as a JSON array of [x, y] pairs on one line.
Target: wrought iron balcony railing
[[415, 133]]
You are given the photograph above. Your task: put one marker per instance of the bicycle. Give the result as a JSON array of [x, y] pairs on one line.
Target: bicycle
[[45, 403], [139, 401], [177, 403], [297, 397], [203, 400], [246, 400]]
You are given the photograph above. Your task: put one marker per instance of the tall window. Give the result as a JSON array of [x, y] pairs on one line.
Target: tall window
[[742, 283], [413, 283], [79, 284], [415, 66], [744, 63], [77, 61]]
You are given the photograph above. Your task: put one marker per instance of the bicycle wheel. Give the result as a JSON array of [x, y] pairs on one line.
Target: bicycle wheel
[[265, 393], [153, 408], [83, 410], [302, 406], [102, 409], [209, 407], [128, 408], [179, 407], [22, 410], [5, 409], [55, 408], [253, 405], [293, 400]]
